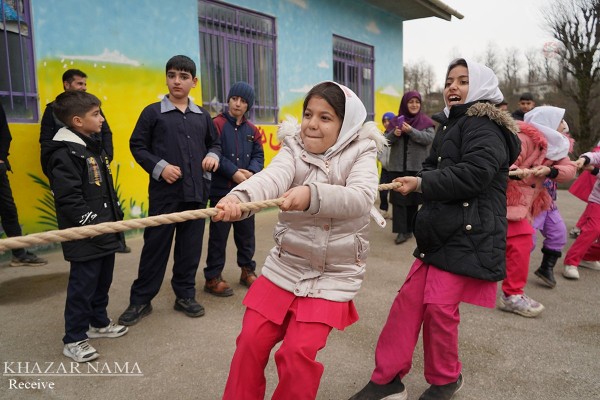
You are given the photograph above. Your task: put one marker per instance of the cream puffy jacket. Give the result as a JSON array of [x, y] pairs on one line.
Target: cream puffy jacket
[[321, 252]]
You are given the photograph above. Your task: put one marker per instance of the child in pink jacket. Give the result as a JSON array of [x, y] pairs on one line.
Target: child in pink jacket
[[544, 154]]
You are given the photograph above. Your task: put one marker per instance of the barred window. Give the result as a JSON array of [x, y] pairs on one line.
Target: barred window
[[237, 45], [353, 66], [17, 69]]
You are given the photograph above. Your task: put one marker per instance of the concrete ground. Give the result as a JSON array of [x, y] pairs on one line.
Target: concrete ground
[[170, 356]]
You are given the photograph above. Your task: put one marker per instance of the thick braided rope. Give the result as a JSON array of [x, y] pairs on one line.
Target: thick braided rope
[[82, 232]]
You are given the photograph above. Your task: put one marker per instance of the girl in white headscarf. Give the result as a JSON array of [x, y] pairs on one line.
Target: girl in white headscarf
[[327, 174], [550, 122], [460, 232]]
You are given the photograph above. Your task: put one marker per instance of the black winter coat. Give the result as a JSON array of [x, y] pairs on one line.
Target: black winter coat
[[82, 184], [461, 227]]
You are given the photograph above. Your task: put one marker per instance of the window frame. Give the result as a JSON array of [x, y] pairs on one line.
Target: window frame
[[360, 56], [29, 94], [224, 35]]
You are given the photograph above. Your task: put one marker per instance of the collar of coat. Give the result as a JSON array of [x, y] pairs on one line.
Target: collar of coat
[[502, 118]]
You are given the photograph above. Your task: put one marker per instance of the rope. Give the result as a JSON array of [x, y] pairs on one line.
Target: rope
[[83, 232]]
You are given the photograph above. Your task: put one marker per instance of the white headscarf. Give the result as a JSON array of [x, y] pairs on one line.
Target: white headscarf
[[483, 84], [354, 117], [547, 119]]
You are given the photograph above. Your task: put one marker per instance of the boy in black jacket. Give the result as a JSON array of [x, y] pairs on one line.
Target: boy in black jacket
[[176, 143], [81, 180]]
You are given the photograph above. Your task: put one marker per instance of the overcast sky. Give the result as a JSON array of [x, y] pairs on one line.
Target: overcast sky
[[505, 23]]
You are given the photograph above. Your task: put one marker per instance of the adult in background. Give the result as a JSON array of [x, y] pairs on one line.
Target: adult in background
[[409, 146], [8, 208], [242, 156]]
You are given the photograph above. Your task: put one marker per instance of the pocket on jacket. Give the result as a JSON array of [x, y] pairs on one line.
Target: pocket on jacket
[[436, 223]]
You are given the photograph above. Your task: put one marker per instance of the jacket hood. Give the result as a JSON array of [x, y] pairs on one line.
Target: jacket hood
[[506, 123]]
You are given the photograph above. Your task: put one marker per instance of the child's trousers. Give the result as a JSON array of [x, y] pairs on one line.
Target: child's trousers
[[87, 296], [397, 341], [552, 226], [299, 372], [585, 246], [518, 253]]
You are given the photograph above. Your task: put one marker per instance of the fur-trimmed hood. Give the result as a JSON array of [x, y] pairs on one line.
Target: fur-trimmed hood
[[504, 120]]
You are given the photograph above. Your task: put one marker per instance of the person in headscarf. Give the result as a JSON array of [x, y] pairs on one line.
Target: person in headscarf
[[460, 232], [550, 122], [327, 174], [384, 158], [544, 155], [409, 145]]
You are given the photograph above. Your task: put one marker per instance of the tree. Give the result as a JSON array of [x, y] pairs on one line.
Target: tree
[[575, 25]]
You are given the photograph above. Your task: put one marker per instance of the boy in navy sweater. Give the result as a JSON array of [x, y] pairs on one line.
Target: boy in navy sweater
[[176, 143]]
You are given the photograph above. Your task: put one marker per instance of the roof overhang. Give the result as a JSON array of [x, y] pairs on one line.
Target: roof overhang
[[415, 9]]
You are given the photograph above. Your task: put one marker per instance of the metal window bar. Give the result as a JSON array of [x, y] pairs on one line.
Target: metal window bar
[[17, 88], [353, 66], [242, 47]]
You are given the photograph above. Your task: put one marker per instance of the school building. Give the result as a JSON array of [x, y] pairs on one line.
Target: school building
[[281, 47]]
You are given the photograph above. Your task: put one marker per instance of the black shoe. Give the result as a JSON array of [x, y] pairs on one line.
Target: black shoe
[[394, 390], [547, 276], [125, 249], [442, 392], [134, 313], [401, 238], [189, 307]]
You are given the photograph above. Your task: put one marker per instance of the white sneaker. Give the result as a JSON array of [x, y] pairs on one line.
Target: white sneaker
[[570, 272], [520, 304], [595, 265], [80, 351], [112, 330]]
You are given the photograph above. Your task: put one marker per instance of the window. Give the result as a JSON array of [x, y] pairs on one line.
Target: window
[[237, 45], [17, 69], [353, 67]]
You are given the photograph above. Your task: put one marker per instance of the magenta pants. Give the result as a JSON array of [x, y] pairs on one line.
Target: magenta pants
[[396, 345], [586, 246]]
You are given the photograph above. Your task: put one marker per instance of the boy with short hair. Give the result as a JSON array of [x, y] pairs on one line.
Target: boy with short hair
[[80, 177], [176, 142]]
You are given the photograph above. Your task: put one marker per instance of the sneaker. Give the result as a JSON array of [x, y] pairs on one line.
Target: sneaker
[[189, 307], [385, 214], [573, 233], [520, 304], [28, 260], [570, 272], [112, 330], [595, 265], [218, 287], [80, 351], [443, 392], [247, 277], [134, 313], [394, 390]]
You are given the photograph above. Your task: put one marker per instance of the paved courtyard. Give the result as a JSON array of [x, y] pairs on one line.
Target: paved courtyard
[[170, 356]]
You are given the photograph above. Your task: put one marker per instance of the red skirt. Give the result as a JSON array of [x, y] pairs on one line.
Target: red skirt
[[273, 303]]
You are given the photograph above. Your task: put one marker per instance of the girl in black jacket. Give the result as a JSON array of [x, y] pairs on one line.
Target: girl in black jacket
[[460, 232]]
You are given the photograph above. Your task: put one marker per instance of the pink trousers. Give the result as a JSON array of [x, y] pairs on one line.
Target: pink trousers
[[586, 246], [299, 372], [518, 254], [396, 345]]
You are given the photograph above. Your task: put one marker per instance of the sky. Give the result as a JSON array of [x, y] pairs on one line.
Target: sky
[[503, 23]]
